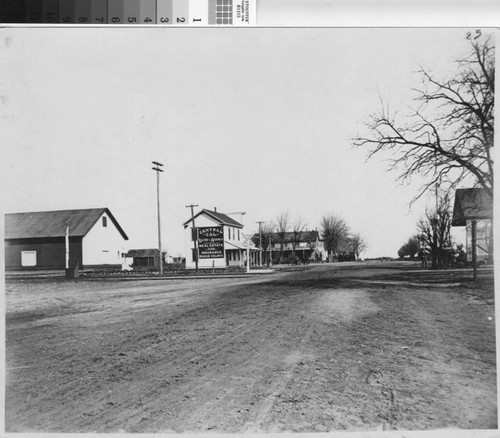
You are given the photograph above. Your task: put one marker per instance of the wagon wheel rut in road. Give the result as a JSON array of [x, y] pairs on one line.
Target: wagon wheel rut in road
[[392, 368], [277, 387], [177, 376], [256, 415]]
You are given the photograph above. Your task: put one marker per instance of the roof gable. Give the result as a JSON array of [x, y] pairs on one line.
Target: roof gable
[[53, 223], [471, 204], [221, 218]]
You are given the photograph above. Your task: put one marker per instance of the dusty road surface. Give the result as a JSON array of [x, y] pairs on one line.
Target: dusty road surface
[[365, 346]]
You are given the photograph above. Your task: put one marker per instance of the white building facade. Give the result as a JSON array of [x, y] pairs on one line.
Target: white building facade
[[103, 244], [217, 241]]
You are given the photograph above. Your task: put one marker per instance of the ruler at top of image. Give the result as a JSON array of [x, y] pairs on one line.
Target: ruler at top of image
[[130, 12]]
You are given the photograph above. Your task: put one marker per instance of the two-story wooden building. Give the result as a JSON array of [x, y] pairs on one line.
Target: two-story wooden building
[[291, 247], [218, 241]]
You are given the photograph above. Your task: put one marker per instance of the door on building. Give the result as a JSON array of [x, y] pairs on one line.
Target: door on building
[[28, 258]]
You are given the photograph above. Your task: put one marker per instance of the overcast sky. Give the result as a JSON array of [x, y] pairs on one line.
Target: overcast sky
[[254, 120]]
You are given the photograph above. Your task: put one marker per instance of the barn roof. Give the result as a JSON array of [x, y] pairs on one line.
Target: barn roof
[[223, 219], [471, 204], [53, 223]]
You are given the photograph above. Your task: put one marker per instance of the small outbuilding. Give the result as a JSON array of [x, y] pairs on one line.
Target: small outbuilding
[[41, 240], [473, 209], [144, 259]]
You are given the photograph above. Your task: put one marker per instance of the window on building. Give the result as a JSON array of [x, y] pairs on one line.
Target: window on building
[[233, 234], [228, 232], [238, 235], [104, 221], [28, 258]]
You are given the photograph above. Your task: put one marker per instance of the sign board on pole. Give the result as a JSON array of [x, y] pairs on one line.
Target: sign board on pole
[[211, 242]]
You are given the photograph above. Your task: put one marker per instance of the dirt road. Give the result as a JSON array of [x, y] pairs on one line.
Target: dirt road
[[330, 347]]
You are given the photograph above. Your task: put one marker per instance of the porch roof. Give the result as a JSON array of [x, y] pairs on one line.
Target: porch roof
[[231, 245], [471, 204]]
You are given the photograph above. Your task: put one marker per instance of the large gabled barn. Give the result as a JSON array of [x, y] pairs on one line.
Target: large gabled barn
[[37, 240]]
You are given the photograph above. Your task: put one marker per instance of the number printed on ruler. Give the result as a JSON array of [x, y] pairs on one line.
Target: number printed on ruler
[[133, 12], [164, 11], [98, 11]]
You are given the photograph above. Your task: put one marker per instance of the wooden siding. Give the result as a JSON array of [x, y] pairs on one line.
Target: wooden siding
[[50, 253]]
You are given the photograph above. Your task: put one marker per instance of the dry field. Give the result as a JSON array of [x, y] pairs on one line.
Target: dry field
[[366, 346]]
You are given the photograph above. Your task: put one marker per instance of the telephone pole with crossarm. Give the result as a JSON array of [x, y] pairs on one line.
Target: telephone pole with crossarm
[[157, 169]]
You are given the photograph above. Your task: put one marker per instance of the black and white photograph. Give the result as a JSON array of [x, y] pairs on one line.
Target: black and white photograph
[[248, 230]]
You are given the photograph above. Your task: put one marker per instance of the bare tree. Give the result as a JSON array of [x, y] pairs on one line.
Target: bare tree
[[282, 225], [266, 232], [435, 232], [358, 245], [298, 227], [334, 232], [448, 138]]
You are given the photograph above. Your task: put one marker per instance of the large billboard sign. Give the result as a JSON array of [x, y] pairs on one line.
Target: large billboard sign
[[211, 243]]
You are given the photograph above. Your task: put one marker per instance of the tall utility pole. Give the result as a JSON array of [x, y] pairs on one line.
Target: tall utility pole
[[260, 240], [194, 235], [157, 169]]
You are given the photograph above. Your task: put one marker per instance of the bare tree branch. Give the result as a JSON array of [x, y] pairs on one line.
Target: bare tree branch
[[449, 136]]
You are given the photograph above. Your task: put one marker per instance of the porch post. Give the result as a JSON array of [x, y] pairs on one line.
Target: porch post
[[474, 249]]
